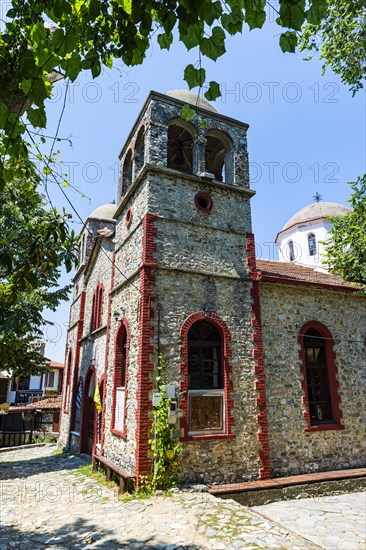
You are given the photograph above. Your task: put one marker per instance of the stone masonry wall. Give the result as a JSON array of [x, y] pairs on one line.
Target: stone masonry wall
[[285, 309], [202, 260], [125, 301]]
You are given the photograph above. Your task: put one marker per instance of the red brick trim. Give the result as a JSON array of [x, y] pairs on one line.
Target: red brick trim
[[205, 197], [80, 328], [259, 368], [332, 377], [227, 368], [97, 308], [67, 382], [146, 348], [106, 360], [123, 329]]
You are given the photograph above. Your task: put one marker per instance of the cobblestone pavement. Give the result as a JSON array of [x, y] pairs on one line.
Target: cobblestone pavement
[[47, 503], [337, 522]]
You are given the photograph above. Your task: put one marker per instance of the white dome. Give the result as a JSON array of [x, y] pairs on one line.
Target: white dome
[[316, 211], [186, 96], [104, 212]]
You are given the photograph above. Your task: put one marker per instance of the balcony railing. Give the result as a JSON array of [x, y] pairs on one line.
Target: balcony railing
[[23, 397]]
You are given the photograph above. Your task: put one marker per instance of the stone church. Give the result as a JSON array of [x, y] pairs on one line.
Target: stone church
[[265, 360]]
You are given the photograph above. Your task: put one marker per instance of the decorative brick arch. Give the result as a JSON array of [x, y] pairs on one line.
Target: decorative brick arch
[[224, 331], [123, 329], [332, 378]]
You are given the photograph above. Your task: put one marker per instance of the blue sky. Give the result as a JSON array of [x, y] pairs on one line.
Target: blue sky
[[306, 135]]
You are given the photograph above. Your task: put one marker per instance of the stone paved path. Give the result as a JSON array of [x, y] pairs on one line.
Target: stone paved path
[[334, 522], [46, 503]]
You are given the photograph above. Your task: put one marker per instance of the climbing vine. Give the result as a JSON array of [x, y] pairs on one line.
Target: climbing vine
[[165, 449]]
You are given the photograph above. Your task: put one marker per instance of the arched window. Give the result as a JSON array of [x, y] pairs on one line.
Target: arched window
[[127, 172], [140, 150], [291, 251], [218, 155], [312, 244], [319, 372], [180, 143], [205, 378], [97, 308], [67, 381], [317, 380], [78, 406], [120, 380]]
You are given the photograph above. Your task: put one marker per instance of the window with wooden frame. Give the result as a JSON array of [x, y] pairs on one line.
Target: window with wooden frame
[[49, 379], [319, 382], [97, 308], [120, 381], [312, 244], [205, 379]]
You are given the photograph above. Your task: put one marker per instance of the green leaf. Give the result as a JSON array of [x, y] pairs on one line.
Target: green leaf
[[126, 5], [317, 12], [73, 66], [165, 40], [168, 21], [213, 91], [57, 38], [193, 36], [96, 68], [292, 15], [38, 34], [214, 46], [211, 11], [37, 117], [255, 14], [232, 22], [89, 60], [194, 77], [188, 113], [288, 41], [3, 115], [94, 8]]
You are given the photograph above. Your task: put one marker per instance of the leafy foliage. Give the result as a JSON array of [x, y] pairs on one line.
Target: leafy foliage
[[164, 447], [34, 243], [340, 37], [346, 246], [77, 35]]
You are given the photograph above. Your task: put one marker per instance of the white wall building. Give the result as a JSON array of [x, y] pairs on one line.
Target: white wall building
[[300, 241]]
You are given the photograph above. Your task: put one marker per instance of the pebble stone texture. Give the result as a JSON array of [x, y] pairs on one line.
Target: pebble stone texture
[[285, 309], [47, 503], [202, 263]]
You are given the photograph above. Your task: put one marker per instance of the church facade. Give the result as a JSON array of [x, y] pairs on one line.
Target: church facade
[[265, 361]]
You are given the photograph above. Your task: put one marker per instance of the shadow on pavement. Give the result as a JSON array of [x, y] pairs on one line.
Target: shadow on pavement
[[80, 534], [27, 467]]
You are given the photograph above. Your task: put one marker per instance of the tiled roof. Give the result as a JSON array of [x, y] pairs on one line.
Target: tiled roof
[[290, 272], [46, 403], [54, 364]]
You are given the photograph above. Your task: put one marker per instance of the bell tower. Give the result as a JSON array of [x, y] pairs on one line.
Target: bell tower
[[185, 285]]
